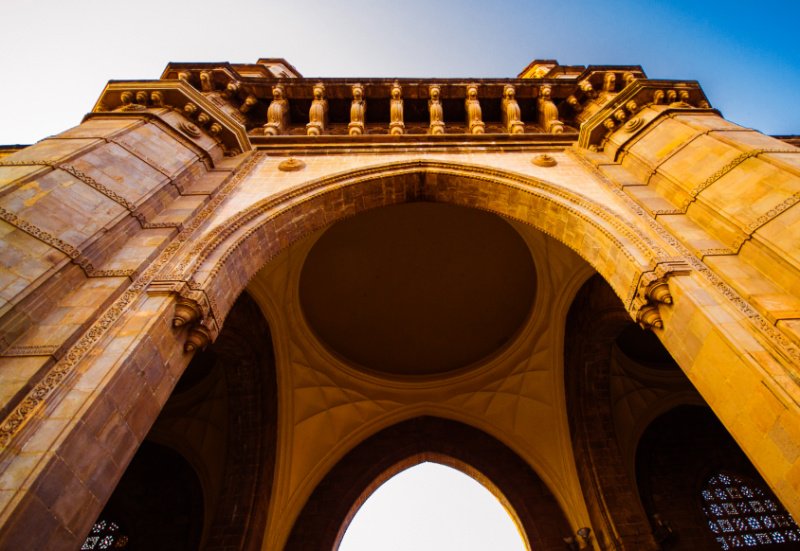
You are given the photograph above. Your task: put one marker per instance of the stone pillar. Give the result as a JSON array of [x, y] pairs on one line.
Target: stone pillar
[[88, 357], [729, 196]]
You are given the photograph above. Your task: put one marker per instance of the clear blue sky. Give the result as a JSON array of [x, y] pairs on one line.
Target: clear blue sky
[[57, 55]]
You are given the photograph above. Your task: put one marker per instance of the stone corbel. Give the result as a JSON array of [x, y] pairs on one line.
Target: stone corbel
[[653, 293], [199, 337], [192, 313], [187, 311], [396, 124], [472, 106]]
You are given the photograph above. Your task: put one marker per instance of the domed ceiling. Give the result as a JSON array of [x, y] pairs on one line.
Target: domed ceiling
[[417, 289]]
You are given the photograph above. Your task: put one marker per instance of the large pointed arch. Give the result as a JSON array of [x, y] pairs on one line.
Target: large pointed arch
[[223, 261]]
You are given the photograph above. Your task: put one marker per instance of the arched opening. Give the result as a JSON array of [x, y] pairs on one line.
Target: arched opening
[[432, 506], [646, 443], [322, 522], [203, 477], [158, 504], [701, 489], [232, 252]]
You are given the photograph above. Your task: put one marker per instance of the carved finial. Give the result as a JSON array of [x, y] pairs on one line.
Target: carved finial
[[620, 115], [189, 109], [358, 111], [248, 103], [628, 78], [632, 107], [609, 82], [609, 124], [186, 312], [157, 98], [649, 317], [198, 338], [206, 81], [587, 89], [658, 97], [184, 75], [128, 104], [277, 113], [203, 119], [678, 98], [396, 124], [572, 101], [473, 108], [512, 115], [658, 291], [215, 128], [436, 110], [318, 113], [672, 96], [231, 89], [548, 112], [126, 97]]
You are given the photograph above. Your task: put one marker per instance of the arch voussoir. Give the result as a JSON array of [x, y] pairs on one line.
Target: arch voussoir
[[224, 261]]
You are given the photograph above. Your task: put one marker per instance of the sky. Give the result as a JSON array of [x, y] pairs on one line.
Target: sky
[[431, 507], [58, 55]]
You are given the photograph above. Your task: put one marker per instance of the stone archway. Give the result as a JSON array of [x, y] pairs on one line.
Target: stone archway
[[321, 523], [221, 263], [595, 319]]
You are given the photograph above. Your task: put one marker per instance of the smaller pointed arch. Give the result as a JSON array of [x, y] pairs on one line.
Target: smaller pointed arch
[[335, 500], [432, 501]]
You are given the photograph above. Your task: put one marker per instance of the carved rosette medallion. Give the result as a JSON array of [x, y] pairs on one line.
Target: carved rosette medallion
[[190, 128], [291, 165], [544, 160], [633, 125]]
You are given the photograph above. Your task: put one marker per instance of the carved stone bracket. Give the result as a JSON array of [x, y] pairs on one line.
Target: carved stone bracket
[[653, 293], [199, 337], [186, 312], [192, 311]]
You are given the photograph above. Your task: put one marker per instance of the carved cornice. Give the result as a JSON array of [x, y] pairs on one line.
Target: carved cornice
[[620, 110], [175, 94]]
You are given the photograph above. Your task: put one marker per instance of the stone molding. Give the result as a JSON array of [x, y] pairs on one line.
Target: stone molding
[[177, 95], [22, 413]]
